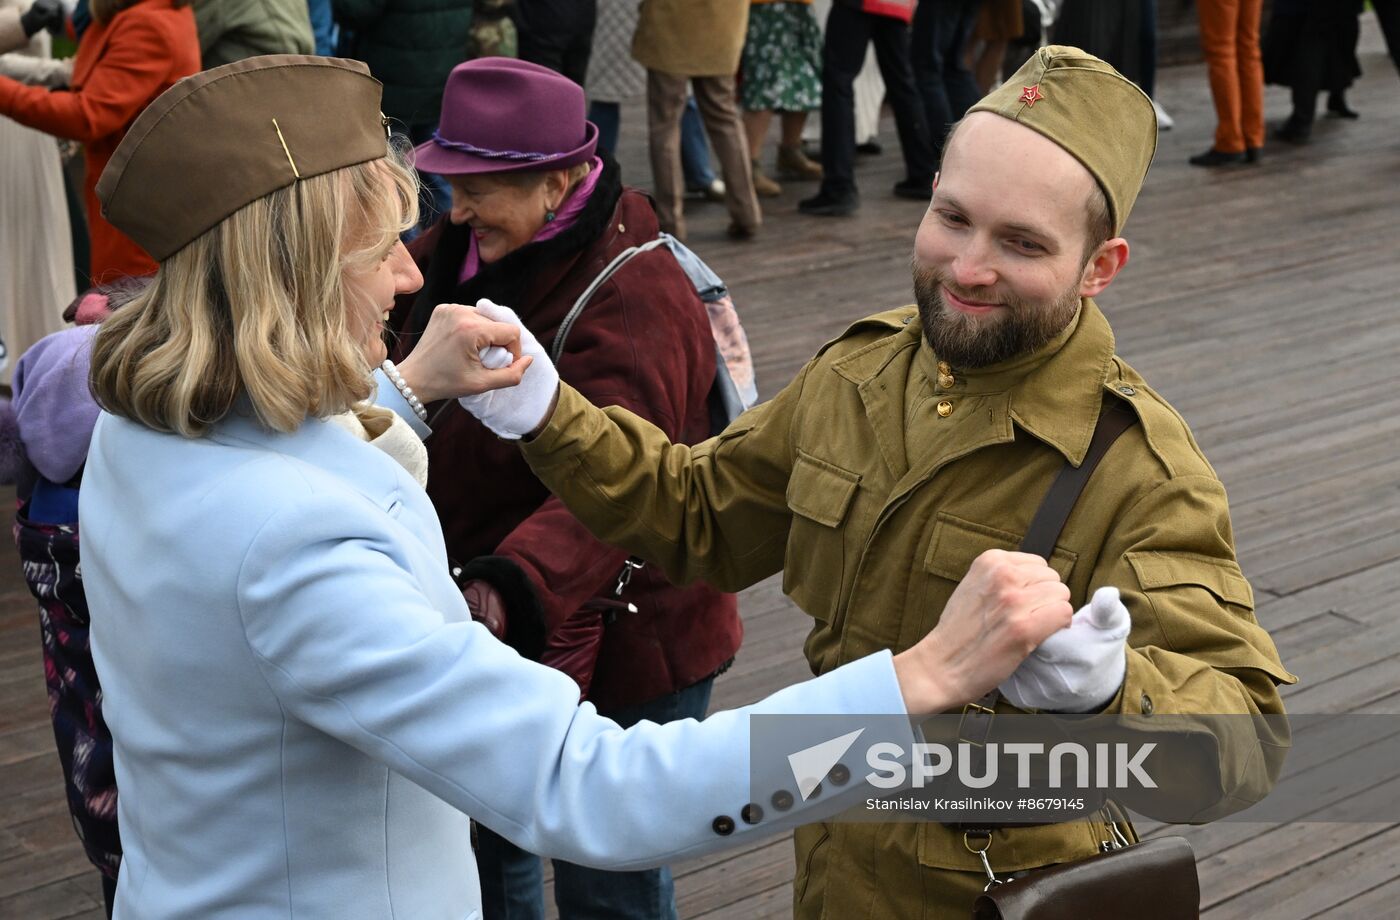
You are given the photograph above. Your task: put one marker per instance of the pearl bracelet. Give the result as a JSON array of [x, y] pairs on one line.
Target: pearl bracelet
[[404, 389]]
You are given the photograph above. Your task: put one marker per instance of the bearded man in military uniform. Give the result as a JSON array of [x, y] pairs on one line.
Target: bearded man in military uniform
[[926, 435]]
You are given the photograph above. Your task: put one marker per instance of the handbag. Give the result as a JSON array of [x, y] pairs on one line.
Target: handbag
[[1145, 880], [1148, 880]]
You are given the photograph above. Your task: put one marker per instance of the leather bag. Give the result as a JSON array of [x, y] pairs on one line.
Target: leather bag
[[1151, 880]]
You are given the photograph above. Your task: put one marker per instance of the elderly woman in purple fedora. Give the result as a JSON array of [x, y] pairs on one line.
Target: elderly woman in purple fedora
[[537, 214]]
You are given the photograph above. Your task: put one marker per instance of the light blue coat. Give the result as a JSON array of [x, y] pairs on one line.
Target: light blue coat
[[304, 713]]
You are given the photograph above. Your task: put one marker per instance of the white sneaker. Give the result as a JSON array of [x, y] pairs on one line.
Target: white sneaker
[[712, 192], [1164, 121]]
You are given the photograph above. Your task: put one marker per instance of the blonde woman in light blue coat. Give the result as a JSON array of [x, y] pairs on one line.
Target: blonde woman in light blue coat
[[304, 713]]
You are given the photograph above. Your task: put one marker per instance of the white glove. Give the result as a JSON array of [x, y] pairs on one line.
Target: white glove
[[514, 411], [1079, 668]]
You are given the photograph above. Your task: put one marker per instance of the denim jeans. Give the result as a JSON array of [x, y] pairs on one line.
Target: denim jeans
[[512, 886], [323, 27], [695, 150], [938, 38]]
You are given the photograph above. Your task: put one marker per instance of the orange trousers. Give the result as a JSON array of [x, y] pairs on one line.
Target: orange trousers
[[1230, 39]]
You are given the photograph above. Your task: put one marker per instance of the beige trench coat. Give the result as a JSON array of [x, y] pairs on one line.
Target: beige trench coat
[[694, 38]]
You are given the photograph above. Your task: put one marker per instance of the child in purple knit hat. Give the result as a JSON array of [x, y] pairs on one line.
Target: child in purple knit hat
[[55, 413]]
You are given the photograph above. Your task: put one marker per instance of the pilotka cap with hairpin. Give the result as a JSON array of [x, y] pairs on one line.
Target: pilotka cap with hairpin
[[1095, 113], [223, 138]]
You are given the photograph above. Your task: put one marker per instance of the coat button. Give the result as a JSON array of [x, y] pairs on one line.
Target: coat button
[[621, 228], [752, 813], [945, 368], [945, 409], [723, 825], [782, 800], [816, 791], [1146, 705], [839, 775], [946, 380], [1127, 391]]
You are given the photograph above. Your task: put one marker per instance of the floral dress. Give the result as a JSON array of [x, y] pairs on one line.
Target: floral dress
[[782, 63]]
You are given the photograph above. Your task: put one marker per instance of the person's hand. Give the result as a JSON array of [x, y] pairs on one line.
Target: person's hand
[[1078, 669], [448, 360], [1005, 607], [518, 411], [44, 14], [487, 606]]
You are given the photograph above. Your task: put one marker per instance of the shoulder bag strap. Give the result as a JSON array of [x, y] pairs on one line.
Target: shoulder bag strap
[[1114, 419], [1064, 492], [621, 259]]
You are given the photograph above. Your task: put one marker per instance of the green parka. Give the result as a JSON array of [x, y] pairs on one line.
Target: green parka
[[410, 47], [873, 480], [231, 30]]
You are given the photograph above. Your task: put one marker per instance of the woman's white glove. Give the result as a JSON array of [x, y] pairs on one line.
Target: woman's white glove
[[1079, 668], [513, 412]]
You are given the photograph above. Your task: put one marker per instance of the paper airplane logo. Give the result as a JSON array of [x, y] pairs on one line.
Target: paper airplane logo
[[810, 765]]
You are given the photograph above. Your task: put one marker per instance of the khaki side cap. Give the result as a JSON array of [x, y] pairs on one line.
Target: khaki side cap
[[208, 145]]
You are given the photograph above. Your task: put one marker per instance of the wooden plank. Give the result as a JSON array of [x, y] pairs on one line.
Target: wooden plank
[[66, 899], [1312, 888], [1379, 901], [1366, 596]]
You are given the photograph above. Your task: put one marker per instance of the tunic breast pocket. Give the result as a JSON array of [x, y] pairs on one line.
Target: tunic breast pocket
[[819, 494], [952, 548]]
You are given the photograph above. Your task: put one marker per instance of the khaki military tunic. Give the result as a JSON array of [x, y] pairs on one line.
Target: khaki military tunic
[[873, 480]]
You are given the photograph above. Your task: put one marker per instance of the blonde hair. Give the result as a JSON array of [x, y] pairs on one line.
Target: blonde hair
[[257, 305]]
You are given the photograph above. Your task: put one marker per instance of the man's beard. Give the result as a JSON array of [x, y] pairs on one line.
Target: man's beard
[[1019, 327]]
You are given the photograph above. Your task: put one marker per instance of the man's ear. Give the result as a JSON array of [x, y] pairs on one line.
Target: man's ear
[[1103, 266]]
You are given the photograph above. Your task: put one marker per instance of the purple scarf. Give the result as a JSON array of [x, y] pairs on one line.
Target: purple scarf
[[563, 220]]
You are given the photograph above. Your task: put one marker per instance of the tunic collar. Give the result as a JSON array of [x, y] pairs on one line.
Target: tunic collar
[[1054, 393]]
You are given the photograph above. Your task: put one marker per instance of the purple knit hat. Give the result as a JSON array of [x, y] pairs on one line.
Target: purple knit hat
[[504, 115]]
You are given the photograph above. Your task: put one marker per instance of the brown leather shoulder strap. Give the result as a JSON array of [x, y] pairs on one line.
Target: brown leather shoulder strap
[[1114, 419], [1064, 492]]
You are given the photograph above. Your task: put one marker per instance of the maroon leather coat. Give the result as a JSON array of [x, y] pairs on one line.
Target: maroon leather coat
[[644, 343]]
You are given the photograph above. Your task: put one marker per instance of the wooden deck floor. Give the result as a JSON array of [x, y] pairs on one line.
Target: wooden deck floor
[[1263, 302]]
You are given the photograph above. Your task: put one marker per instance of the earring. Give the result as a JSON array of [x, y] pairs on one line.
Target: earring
[[548, 217]]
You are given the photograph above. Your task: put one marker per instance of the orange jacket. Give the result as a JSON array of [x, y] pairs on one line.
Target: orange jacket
[[121, 67]]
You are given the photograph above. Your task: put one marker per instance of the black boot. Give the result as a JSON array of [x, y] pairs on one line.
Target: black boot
[[1213, 157], [1294, 130], [830, 204], [918, 189], [1337, 106]]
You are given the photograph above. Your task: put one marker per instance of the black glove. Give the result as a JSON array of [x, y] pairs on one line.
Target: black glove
[[44, 14]]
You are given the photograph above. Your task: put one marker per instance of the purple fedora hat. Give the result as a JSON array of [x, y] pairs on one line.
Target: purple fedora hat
[[505, 115]]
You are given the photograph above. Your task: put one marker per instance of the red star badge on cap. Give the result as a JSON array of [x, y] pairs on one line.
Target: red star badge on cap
[[1030, 95]]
